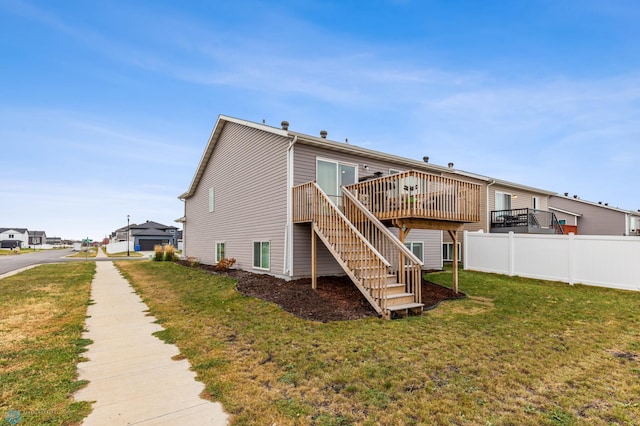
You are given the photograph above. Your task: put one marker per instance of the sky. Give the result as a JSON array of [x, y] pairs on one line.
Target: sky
[[106, 106]]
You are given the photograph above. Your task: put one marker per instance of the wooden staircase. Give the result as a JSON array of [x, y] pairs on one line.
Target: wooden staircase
[[380, 266]]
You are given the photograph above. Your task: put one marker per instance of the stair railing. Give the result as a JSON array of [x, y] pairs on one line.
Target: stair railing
[[355, 254], [404, 264]]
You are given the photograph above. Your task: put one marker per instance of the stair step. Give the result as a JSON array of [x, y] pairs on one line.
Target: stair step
[[399, 299], [405, 306]]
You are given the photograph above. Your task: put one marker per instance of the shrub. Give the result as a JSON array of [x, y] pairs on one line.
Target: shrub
[[193, 261], [158, 253], [169, 253], [224, 264]]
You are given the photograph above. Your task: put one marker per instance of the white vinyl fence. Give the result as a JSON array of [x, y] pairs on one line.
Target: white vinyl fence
[[119, 247], [605, 261]]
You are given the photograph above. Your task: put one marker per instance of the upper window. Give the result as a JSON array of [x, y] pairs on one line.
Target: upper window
[[503, 201], [220, 251], [394, 171], [261, 254], [211, 200], [332, 176], [11, 236], [536, 202]]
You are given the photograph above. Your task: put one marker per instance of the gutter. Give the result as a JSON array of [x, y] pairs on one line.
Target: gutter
[[288, 230]]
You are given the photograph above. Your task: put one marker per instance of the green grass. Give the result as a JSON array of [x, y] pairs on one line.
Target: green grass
[[91, 252], [43, 314], [516, 351]]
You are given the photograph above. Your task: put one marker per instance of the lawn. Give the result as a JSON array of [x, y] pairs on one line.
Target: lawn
[[515, 351], [43, 314]]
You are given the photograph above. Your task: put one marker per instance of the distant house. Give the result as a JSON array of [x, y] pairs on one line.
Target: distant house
[[37, 238], [149, 234], [54, 241], [590, 218], [11, 238]]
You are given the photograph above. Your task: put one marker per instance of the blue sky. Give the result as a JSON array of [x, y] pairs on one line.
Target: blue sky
[[106, 106]]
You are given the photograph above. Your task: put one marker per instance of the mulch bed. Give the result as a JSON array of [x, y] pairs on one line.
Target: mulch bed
[[335, 299]]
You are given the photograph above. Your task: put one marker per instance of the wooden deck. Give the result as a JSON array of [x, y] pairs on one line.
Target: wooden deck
[[417, 195], [384, 270]]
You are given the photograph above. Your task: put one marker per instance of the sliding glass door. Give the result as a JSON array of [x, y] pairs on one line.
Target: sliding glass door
[[332, 175]]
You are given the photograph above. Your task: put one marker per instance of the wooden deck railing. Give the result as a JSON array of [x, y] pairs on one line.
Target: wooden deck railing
[[404, 264], [420, 195], [358, 257]]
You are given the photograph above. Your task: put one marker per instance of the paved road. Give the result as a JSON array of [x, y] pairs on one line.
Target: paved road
[[25, 260], [11, 263]]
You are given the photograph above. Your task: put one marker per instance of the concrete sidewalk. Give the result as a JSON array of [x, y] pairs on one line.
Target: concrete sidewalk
[[131, 374]]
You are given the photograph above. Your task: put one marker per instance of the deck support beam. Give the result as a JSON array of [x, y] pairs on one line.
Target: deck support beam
[[405, 226], [454, 237]]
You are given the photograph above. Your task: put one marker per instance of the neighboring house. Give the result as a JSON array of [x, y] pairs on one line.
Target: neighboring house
[[120, 234], [589, 218], [37, 238], [266, 196], [149, 234], [14, 238], [54, 241]]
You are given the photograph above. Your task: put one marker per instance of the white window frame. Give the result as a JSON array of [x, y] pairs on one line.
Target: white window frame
[[224, 249], [495, 198], [535, 202], [450, 252], [253, 259], [211, 200], [338, 163], [410, 244]]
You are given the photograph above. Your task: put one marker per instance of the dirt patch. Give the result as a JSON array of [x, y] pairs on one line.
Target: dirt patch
[[335, 299]]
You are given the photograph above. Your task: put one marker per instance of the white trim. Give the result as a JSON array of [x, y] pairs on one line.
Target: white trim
[[252, 255], [287, 267], [338, 163], [212, 200], [411, 243], [224, 243], [565, 211], [450, 243]]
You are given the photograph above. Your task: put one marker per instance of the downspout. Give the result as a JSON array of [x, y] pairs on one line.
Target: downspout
[[493, 181], [288, 231]]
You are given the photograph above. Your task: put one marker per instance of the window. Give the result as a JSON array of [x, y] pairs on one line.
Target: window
[[332, 175], [417, 248], [211, 204], [503, 201], [11, 236], [261, 254], [393, 171], [536, 203], [447, 252], [220, 252]]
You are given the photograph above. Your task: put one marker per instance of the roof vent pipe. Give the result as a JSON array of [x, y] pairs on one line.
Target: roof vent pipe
[[285, 125], [575, 196], [323, 134], [425, 159], [450, 165], [566, 194]]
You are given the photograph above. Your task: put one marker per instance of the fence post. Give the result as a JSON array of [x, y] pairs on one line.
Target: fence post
[[465, 250], [571, 255], [511, 255]]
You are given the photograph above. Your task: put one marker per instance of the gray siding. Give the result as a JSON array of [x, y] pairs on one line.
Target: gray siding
[[305, 171], [248, 173], [595, 219]]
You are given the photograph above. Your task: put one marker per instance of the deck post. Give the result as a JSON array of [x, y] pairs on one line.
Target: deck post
[[454, 237], [314, 279]]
